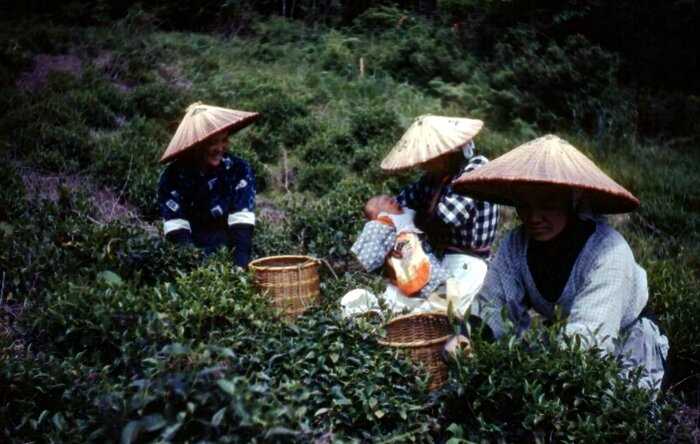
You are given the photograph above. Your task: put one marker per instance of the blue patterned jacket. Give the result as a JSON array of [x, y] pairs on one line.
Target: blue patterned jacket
[[208, 209]]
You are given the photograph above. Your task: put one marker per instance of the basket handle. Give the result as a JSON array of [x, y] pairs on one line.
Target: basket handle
[[327, 264]]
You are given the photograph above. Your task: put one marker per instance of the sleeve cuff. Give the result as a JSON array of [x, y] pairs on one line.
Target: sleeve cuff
[[176, 224], [241, 217]]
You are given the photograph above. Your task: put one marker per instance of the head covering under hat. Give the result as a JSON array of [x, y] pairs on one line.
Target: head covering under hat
[[430, 137], [203, 121], [547, 166]]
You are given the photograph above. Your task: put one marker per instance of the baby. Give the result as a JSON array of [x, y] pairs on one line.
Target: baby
[[391, 238], [386, 209]]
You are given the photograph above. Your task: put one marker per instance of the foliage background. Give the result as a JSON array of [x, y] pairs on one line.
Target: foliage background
[[110, 334]]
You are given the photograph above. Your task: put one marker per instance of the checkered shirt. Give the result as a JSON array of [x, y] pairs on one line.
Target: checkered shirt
[[470, 223]]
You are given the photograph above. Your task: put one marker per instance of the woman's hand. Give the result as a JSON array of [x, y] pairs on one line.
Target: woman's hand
[[456, 344]]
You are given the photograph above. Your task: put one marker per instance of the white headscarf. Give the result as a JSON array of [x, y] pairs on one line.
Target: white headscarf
[[468, 149]]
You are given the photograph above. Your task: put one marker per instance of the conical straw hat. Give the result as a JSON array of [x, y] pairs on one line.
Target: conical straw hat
[[429, 137], [202, 121], [546, 166]]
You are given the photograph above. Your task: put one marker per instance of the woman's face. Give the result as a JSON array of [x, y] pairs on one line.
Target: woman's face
[[543, 223], [444, 164], [215, 151]]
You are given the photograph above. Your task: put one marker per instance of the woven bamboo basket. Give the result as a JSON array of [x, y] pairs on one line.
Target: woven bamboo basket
[[291, 281], [424, 336]]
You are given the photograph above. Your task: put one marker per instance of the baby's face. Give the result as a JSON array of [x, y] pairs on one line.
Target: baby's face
[[387, 204]]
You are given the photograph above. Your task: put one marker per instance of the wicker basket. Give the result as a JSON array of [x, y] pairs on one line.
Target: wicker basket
[[424, 336], [291, 281]]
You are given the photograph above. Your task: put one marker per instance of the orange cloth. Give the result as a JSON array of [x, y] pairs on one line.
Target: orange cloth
[[409, 264], [408, 267]]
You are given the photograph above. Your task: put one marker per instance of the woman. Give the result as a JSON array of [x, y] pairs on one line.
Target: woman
[[460, 229], [207, 196], [564, 260]]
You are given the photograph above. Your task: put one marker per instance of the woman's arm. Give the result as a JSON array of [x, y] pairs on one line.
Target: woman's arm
[[413, 196], [607, 293], [373, 245], [241, 217], [176, 224], [502, 291]]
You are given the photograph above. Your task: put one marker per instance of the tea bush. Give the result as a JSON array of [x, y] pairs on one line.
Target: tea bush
[[106, 319], [554, 390], [326, 226], [68, 246], [261, 388], [673, 298], [207, 360], [285, 120], [56, 397]]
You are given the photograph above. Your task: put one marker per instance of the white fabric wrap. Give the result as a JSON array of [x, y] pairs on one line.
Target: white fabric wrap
[[465, 276], [176, 224], [241, 217], [404, 222]]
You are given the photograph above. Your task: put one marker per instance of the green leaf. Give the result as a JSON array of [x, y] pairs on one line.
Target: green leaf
[[218, 417], [226, 386], [58, 421], [456, 430], [154, 422], [131, 432], [110, 278], [6, 229], [280, 432]]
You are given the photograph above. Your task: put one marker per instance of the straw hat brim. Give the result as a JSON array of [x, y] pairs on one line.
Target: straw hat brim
[[188, 137], [543, 170], [428, 138], [517, 192]]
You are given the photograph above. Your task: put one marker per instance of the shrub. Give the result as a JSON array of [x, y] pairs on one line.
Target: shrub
[[553, 82], [97, 114], [289, 383], [672, 297], [319, 179], [107, 319], [126, 161], [326, 227], [158, 99], [414, 49], [285, 120], [12, 196], [554, 390], [332, 143], [374, 122], [67, 247], [337, 53]]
